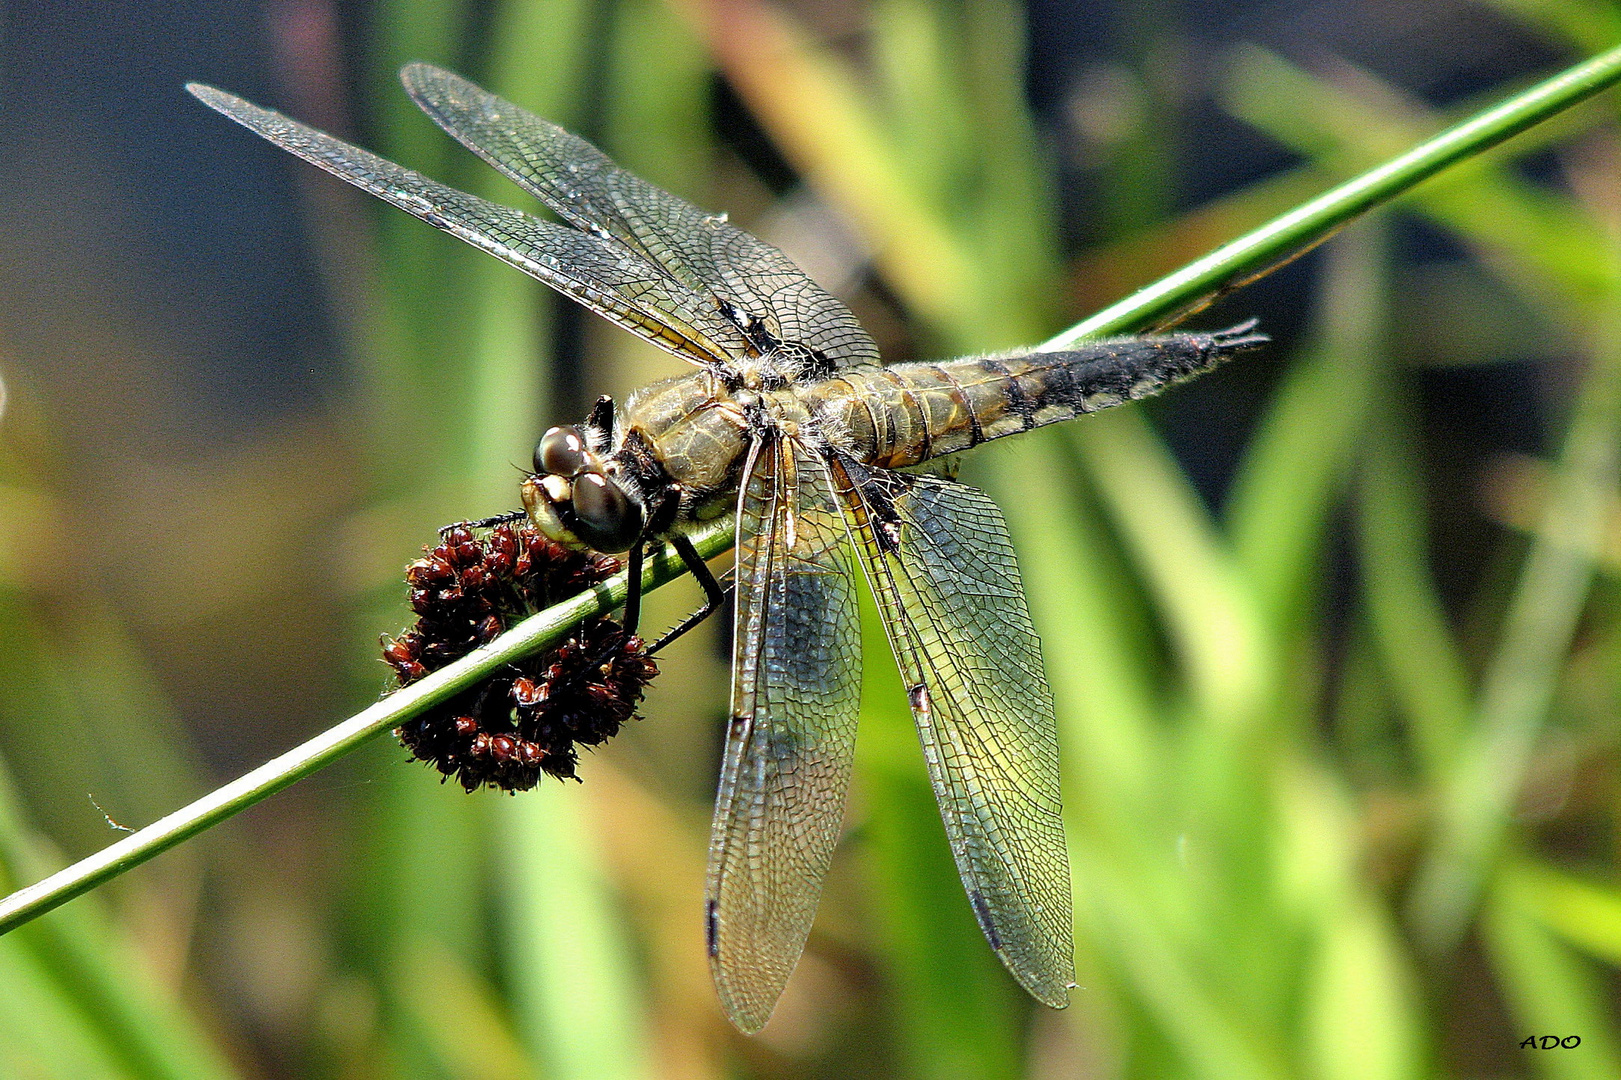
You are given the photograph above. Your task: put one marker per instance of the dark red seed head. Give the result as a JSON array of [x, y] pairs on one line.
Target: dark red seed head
[[526, 693], [528, 718], [432, 569]]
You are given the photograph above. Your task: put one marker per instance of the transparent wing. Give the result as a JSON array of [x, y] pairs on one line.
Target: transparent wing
[[699, 249], [941, 565], [796, 687], [602, 275]]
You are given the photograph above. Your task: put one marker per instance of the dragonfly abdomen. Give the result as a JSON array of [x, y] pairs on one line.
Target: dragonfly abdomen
[[908, 413]]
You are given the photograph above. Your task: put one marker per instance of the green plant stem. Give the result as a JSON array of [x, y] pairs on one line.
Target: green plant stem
[[1222, 269], [1287, 236], [530, 636]]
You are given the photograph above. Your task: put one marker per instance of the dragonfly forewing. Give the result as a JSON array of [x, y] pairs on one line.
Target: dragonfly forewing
[[796, 688], [941, 566], [700, 249], [638, 295]]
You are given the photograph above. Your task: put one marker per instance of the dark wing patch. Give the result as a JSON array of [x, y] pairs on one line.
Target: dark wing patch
[[754, 283], [941, 566], [796, 687], [640, 296]]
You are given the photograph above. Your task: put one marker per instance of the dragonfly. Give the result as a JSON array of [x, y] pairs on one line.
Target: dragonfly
[[828, 459]]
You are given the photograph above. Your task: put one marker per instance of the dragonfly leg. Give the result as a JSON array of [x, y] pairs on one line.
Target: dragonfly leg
[[633, 610], [714, 595], [633, 598], [602, 418], [486, 523]]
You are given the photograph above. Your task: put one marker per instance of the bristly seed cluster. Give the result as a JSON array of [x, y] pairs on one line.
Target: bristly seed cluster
[[530, 717]]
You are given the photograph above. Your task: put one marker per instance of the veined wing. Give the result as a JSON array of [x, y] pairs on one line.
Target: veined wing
[[796, 687], [602, 275], [941, 565], [760, 284]]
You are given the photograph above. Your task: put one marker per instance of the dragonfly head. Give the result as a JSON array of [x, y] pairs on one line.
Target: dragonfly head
[[575, 497]]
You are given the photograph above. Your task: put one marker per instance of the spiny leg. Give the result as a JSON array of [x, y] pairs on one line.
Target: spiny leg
[[714, 594], [486, 523]]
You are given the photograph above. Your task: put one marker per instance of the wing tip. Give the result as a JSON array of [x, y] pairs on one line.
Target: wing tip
[[233, 107], [749, 1014], [1055, 996], [747, 1019], [421, 78], [414, 71], [749, 980], [1050, 987], [212, 96], [1048, 976], [748, 1008]]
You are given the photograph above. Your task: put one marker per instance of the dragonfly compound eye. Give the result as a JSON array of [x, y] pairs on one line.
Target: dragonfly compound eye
[[563, 451], [604, 516]]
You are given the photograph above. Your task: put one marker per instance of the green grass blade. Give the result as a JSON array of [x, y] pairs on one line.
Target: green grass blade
[[574, 987], [956, 1006], [1586, 914], [40, 1034], [1205, 603], [1416, 647], [455, 1015], [1519, 683], [921, 98], [565, 947], [1360, 1000], [407, 354], [87, 984], [1013, 225], [1589, 25], [1212, 1042], [1107, 710], [1550, 991], [842, 148]]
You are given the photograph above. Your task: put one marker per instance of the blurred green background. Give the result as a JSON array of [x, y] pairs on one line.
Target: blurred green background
[[1335, 632]]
